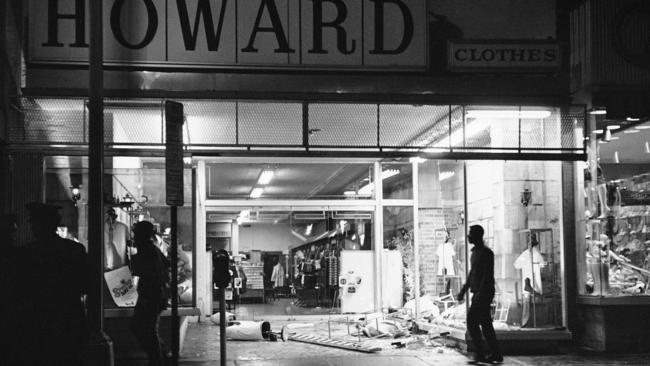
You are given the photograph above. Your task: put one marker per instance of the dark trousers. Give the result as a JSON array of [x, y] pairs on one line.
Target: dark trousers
[[479, 318], [144, 325]]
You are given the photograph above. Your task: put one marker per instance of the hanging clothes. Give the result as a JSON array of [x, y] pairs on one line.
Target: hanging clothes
[[277, 276], [530, 263]]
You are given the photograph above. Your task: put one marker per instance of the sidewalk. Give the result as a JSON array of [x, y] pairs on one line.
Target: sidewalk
[[201, 348]]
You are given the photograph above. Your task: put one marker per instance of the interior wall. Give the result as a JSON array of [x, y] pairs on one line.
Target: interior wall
[[265, 237]]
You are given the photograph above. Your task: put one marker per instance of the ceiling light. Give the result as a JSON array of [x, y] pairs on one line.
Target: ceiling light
[[489, 113], [417, 159], [446, 175], [632, 119], [614, 138], [598, 111], [616, 159], [389, 173], [471, 130], [643, 127], [647, 147], [599, 131], [265, 177], [631, 131], [613, 127], [257, 192], [608, 135], [349, 193], [367, 189]]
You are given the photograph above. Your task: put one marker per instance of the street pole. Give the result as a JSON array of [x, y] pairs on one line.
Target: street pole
[[100, 348], [222, 324]]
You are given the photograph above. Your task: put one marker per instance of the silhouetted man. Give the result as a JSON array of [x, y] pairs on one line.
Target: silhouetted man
[[481, 283], [56, 271], [152, 270]]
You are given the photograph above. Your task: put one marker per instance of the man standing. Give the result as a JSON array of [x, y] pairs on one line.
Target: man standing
[[481, 283]]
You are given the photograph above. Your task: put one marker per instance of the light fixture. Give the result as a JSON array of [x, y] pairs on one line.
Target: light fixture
[[244, 216], [76, 195], [349, 193], [598, 111], [265, 177], [494, 113], [526, 196], [472, 129], [646, 147], [417, 159], [631, 131], [446, 175], [632, 119], [598, 131], [367, 189], [613, 127], [616, 159], [614, 138], [608, 135], [257, 192], [642, 127]]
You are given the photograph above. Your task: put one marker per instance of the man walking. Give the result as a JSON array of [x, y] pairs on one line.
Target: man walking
[[481, 283], [152, 269]]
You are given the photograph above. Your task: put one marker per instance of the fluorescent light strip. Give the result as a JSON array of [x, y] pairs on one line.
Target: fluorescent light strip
[[489, 113], [367, 189], [265, 177], [446, 175], [257, 192]]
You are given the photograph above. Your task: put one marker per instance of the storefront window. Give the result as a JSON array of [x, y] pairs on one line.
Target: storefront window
[[399, 255], [134, 191], [617, 214], [519, 206]]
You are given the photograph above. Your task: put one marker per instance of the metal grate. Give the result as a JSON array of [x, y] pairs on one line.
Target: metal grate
[[332, 124], [270, 123], [210, 122], [349, 127]]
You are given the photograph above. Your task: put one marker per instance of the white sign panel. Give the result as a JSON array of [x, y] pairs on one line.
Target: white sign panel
[[120, 285], [505, 56], [320, 34]]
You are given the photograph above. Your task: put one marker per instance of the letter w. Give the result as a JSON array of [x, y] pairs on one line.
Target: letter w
[[190, 35]]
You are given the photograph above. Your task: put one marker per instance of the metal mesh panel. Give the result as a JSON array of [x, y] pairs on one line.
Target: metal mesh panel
[[135, 122], [270, 123], [209, 122], [343, 124], [408, 125], [48, 120], [572, 128]]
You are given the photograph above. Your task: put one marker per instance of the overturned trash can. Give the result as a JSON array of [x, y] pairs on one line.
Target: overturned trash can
[[248, 331]]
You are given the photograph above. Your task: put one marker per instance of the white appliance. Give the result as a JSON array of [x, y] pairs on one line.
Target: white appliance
[[356, 281]]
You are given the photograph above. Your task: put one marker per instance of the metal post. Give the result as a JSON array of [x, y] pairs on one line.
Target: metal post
[[174, 284], [100, 348], [222, 325]]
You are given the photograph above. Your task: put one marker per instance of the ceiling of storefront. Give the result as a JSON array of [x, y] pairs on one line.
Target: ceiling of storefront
[[631, 146]]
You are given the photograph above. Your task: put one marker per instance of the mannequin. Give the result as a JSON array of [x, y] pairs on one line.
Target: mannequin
[[116, 235], [530, 262], [446, 254]]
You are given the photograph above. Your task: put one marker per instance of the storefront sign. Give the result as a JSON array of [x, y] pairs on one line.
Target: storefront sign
[[506, 56], [353, 34], [121, 287], [174, 153]]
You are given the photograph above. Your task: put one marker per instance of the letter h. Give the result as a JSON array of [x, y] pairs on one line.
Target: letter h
[[53, 17]]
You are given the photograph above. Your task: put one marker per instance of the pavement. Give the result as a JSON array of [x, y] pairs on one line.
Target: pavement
[[201, 348]]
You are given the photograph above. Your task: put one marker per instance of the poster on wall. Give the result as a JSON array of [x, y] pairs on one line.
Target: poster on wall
[[121, 287]]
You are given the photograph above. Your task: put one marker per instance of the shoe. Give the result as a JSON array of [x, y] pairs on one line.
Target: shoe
[[477, 359], [494, 359]]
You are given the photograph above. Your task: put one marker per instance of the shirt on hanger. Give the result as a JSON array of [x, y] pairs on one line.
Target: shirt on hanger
[[530, 263]]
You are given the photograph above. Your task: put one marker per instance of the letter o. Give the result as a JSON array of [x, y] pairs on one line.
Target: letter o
[[457, 54], [487, 55], [116, 26]]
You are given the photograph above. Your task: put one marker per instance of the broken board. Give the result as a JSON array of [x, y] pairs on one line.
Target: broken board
[[353, 346]]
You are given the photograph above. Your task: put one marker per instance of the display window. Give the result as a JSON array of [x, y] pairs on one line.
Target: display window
[[615, 260], [519, 206], [134, 191]]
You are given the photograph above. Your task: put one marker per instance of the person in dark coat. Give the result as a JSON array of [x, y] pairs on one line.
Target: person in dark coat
[[10, 295], [480, 282], [56, 272], [152, 271]]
